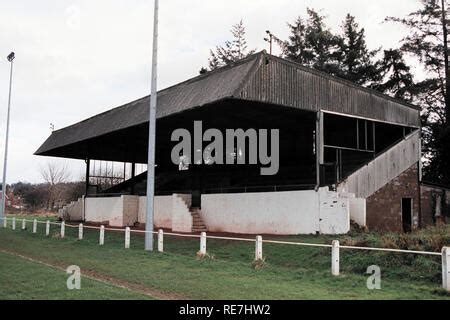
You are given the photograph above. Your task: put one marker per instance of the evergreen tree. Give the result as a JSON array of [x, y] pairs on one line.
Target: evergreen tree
[[356, 62], [397, 80], [231, 51], [295, 48], [311, 43], [426, 41]]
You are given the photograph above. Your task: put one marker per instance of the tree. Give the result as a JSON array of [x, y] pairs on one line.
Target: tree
[[311, 43], [396, 77], [54, 175], [345, 55], [355, 61], [73, 191], [35, 197], [427, 42], [231, 51]]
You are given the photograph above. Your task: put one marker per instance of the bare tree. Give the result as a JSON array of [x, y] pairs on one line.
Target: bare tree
[[55, 175]]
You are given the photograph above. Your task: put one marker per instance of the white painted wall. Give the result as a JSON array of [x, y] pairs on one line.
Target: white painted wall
[[358, 211], [283, 213], [162, 213], [334, 213], [181, 216], [130, 210], [357, 208], [105, 210], [73, 211]]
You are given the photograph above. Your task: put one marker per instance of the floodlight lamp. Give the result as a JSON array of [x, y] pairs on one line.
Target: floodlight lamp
[[11, 57]]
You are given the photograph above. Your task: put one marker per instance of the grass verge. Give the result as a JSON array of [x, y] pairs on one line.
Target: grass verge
[[289, 272]]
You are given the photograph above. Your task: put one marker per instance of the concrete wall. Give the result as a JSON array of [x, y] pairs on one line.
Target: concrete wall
[[73, 211], [357, 208], [283, 213], [181, 216], [358, 212], [334, 213], [105, 210], [128, 210], [163, 211], [130, 206]]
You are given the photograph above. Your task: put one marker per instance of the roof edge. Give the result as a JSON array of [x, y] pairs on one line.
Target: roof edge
[[191, 80], [255, 67], [344, 81]]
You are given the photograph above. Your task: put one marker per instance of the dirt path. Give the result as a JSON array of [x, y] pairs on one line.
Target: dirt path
[[106, 279]]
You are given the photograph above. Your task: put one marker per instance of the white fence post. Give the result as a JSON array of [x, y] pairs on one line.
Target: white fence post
[[127, 238], [102, 235], [24, 224], [80, 231], [203, 244], [5, 222], [47, 228], [14, 223], [34, 225], [258, 248], [160, 241], [63, 229], [446, 268], [335, 258]]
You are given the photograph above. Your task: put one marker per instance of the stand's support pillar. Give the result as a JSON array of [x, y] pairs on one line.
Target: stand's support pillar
[[133, 174], [319, 146], [88, 170]]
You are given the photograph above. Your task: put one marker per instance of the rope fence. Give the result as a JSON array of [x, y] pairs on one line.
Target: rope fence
[[335, 246]]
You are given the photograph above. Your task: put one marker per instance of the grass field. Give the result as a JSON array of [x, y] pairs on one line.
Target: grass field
[[24, 279], [288, 272]]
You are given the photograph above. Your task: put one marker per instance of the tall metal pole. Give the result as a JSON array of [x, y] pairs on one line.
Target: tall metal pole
[[152, 137], [446, 60], [11, 57]]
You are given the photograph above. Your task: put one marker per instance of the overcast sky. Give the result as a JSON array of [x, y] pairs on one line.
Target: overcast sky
[[78, 58]]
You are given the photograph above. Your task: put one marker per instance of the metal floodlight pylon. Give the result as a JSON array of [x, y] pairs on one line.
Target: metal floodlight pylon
[[152, 137], [10, 58]]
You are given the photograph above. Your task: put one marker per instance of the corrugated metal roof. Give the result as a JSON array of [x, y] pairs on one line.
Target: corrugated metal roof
[[286, 83], [261, 78]]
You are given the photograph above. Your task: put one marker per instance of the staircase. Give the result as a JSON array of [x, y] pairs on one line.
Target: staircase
[[384, 168], [72, 211], [186, 218], [197, 222]]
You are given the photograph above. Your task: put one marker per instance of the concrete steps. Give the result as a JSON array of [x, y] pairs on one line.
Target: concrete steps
[[197, 222], [72, 211], [184, 203]]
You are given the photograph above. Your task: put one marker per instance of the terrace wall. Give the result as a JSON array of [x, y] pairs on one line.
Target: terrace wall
[[281, 213]]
